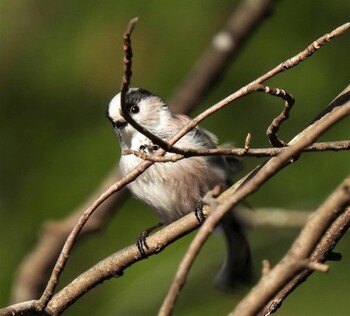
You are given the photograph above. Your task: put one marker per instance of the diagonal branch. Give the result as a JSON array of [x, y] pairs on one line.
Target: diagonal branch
[[125, 87], [247, 89]]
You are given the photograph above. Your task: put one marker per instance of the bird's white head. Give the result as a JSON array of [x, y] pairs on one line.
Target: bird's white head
[[146, 109]]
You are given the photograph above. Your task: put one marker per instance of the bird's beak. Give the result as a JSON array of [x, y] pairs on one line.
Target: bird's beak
[[120, 124]]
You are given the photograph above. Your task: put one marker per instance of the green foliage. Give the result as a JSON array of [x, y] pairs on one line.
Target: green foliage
[[61, 62]]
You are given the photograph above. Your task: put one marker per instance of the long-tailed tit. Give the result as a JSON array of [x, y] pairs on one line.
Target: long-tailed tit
[[174, 189]]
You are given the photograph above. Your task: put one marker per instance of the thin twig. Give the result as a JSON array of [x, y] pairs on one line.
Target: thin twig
[[271, 131], [283, 116], [241, 152], [125, 87], [247, 142], [307, 52], [68, 245]]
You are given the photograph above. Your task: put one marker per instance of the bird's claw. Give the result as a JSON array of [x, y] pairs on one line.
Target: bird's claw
[[198, 212], [142, 244]]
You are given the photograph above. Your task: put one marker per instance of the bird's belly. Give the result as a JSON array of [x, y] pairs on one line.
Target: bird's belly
[[172, 190]]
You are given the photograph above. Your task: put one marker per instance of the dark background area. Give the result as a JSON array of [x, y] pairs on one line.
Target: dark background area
[[61, 63]]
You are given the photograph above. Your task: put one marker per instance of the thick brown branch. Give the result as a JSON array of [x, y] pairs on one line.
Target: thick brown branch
[[23, 308], [114, 265]]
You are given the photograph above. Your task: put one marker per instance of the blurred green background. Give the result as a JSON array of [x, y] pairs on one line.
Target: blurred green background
[[61, 63]]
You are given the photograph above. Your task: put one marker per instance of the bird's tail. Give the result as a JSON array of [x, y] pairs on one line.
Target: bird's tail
[[237, 268]]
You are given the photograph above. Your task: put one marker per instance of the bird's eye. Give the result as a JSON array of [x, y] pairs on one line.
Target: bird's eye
[[134, 109]]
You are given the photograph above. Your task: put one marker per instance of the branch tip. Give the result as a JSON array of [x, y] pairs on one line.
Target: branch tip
[[266, 267], [131, 25], [317, 266]]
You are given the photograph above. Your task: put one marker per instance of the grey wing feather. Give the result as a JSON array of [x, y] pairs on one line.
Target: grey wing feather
[[203, 139]]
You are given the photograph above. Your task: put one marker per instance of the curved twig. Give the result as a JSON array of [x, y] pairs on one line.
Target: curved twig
[[283, 116], [125, 87]]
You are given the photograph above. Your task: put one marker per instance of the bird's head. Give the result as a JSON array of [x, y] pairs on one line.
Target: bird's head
[[145, 108]]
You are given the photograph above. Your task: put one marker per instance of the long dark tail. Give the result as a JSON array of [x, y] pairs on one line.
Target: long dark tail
[[237, 268]]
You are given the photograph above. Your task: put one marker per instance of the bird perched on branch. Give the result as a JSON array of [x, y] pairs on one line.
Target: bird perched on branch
[[174, 189]]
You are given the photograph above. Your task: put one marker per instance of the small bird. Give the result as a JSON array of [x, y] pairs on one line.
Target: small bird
[[174, 189]]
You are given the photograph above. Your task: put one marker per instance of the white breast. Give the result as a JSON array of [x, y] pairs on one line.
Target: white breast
[[173, 189]]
